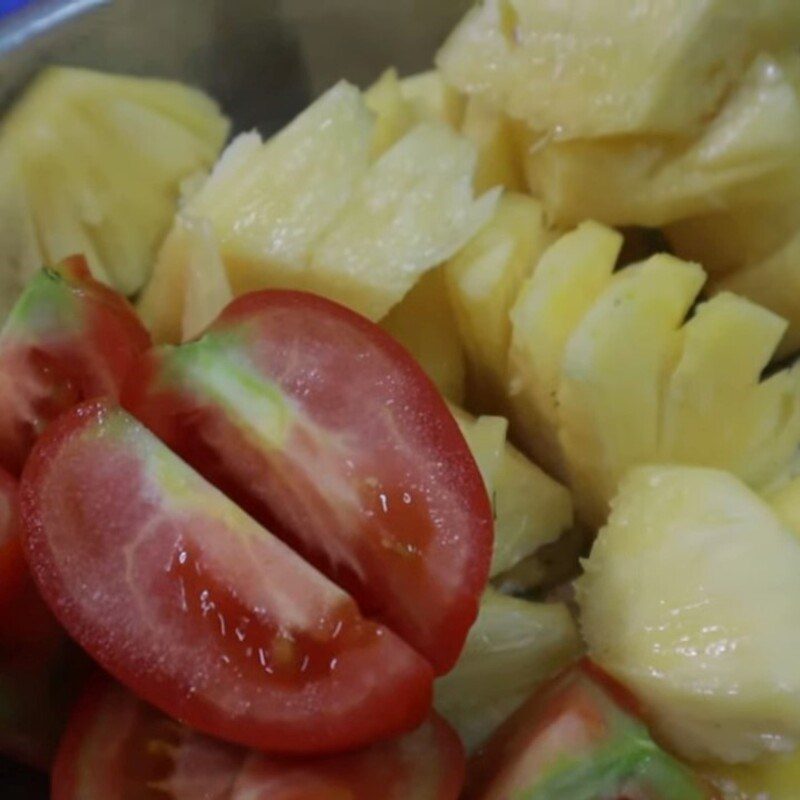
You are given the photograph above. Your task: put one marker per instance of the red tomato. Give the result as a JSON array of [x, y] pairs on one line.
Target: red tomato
[[68, 338], [118, 748], [13, 570], [182, 596], [326, 430], [578, 738]]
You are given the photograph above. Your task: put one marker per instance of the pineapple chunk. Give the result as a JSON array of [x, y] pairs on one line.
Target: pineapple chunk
[[530, 508], [393, 114], [431, 99], [270, 202], [100, 159], [614, 371], [587, 69], [423, 322], [775, 283], [772, 777], [570, 276], [513, 648], [495, 138], [737, 157], [690, 597], [413, 210], [715, 401], [484, 279], [785, 501]]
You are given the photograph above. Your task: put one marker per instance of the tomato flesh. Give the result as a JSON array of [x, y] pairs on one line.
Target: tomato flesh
[[325, 429], [204, 613], [118, 748], [578, 738], [67, 339]]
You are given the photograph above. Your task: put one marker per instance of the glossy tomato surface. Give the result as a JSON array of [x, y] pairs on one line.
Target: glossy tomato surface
[[68, 338], [323, 427], [118, 748], [204, 613]]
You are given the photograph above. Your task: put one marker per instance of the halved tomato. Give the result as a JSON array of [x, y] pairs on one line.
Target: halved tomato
[[68, 338], [579, 738], [325, 429], [13, 569], [182, 596], [118, 748]]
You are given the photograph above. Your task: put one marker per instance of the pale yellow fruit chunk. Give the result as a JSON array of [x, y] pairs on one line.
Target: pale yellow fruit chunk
[[569, 278], [586, 69], [424, 323], [717, 409], [771, 777], [615, 368], [99, 160], [413, 210], [530, 508], [495, 137], [690, 597], [432, 99], [512, 649], [484, 279], [394, 116], [654, 181]]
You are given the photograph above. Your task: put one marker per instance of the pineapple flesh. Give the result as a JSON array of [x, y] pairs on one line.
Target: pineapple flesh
[[690, 597], [607, 374], [484, 279], [585, 69], [513, 648], [531, 509], [99, 160], [311, 209]]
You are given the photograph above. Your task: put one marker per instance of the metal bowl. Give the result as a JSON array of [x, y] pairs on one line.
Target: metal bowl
[[262, 59]]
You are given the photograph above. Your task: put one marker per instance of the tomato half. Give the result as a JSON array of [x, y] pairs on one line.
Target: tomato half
[[13, 569], [578, 738], [203, 612], [324, 428], [118, 748], [67, 339]]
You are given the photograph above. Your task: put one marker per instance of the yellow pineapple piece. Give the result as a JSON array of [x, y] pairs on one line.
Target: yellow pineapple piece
[[716, 408], [99, 162], [587, 69], [423, 322], [431, 99], [737, 158], [412, 211], [690, 597], [495, 137], [570, 276], [530, 508], [614, 369], [394, 116], [512, 649], [771, 777], [484, 279]]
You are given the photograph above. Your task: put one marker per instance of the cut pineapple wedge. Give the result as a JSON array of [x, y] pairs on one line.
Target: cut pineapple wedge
[[605, 375], [513, 648], [690, 597], [424, 323], [484, 278], [412, 211], [432, 99], [772, 777], [495, 137], [309, 210], [565, 285], [739, 156], [394, 116], [586, 69], [530, 508], [99, 162]]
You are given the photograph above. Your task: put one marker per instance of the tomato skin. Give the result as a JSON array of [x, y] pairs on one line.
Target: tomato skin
[[116, 746], [69, 338], [369, 446], [180, 595]]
